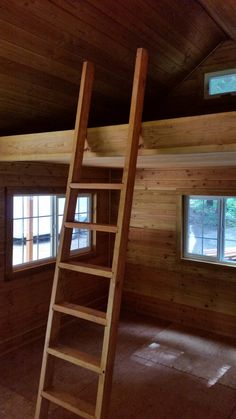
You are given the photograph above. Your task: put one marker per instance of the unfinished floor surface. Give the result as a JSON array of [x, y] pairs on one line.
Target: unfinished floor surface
[[162, 371]]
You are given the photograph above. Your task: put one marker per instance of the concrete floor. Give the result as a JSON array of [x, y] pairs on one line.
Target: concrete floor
[[162, 371]]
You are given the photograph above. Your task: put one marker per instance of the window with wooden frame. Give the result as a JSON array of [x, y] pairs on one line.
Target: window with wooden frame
[[36, 221], [209, 229]]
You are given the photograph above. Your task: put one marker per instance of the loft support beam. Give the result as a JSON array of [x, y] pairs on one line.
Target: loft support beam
[[196, 135]]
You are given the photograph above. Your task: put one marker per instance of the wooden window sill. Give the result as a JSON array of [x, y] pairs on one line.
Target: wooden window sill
[[43, 265]]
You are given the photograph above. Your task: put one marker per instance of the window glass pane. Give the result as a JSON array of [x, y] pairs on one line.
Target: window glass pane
[[75, 239], [17, 207], [221, 84], [210, 218], [35, 206], [35, 249], [83, 209], [36, 229], [210, 228], [230, 229], [202, 226], [24, 253], [18, 232], [44, 205], [82, 217], [210, 247], [195, 245], [25, 205], [45, 226], [83, 204], [61, 205], [60, 218], [18, 240], [17, 255], [45, 247], [84, 238], [194, 226]]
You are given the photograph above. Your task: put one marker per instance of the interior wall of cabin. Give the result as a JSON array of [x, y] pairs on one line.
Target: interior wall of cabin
[[24, 299], [157, 281]]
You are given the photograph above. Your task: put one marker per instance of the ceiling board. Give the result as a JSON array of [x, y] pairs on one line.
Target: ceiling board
[[224, 14], [43, 44]]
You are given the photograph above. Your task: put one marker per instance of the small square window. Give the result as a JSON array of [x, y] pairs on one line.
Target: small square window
[[220, 83]]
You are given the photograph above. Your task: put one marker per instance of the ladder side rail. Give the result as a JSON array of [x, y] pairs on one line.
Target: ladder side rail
[[124, 213], [75, 170]]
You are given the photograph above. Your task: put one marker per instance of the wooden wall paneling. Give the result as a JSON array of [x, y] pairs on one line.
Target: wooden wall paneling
[[24, 300], [157, 281], [205, 320], [2, 230], [187, 98], [192, 290]]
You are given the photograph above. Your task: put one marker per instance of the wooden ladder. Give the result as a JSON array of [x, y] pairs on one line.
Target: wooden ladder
[[109, 319]]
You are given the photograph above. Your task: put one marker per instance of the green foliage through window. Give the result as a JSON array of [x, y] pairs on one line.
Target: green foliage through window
[[210, 228]]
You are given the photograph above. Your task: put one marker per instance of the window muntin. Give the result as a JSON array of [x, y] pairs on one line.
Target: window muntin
[[220, 83], [37, 221], [210, 228], [229, 229]]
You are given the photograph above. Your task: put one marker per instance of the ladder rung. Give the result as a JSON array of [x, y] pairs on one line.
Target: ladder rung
[[116, 186], [87, 268], [76, 357], [93, 226], [71, 403], [82, 312]]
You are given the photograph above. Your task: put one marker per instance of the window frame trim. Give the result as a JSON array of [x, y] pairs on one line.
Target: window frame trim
[[181, 227], [14, 271], [207, 77]]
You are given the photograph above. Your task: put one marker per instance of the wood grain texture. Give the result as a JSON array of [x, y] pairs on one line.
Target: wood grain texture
[[187, 98], [204, 140], [24, 300], [223, 13], [43, 44], [157, 281]]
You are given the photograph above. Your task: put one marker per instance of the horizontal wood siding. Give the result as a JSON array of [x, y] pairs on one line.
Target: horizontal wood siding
[[157, 281], [24, 301]]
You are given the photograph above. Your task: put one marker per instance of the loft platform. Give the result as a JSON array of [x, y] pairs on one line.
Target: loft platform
[[204, 140]]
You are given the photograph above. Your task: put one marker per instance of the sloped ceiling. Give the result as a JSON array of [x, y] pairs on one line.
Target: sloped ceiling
[[43, 44], [224, 14]]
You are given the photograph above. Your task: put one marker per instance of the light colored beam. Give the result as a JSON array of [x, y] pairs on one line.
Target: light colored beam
[[181, 138]]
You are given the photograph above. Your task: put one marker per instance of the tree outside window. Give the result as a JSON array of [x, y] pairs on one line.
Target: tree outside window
[[210, 228]]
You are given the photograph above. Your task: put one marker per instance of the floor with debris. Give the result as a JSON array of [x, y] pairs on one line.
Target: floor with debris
[[162, 371]]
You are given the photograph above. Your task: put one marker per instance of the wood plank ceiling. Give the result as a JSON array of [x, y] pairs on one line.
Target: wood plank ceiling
[[43, 44]]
